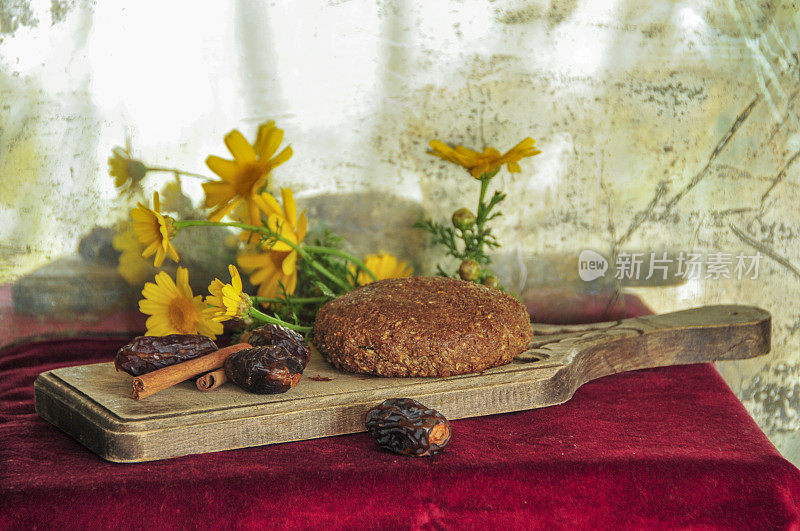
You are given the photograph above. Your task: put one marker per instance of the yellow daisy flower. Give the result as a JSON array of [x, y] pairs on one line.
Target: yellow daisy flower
[[173, 309], [276, 216], [283, 221], [132, 265], [227, 300], [154, 231], [125, 170], [478, 164], [384, 266], [241, 215], [267, 271], [246, 174], [278, 265]]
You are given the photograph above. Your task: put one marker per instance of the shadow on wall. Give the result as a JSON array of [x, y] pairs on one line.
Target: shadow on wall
[[86, 284], [371, 222]]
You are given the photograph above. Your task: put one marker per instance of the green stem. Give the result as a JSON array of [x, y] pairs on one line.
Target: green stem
[[484, 187], [300, 300], [264, 318], [263, 230], [327, 250], [482, 215], [178, 172]]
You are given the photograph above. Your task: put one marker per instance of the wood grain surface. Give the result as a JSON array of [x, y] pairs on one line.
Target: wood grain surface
[[92, 403]]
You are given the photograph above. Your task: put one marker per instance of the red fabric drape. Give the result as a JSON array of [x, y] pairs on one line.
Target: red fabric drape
[[649, 449]]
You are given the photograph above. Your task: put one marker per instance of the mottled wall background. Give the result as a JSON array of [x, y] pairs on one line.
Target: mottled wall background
[[666, 126]]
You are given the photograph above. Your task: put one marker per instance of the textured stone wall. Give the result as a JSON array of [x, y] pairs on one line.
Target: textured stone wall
[[666, 126]]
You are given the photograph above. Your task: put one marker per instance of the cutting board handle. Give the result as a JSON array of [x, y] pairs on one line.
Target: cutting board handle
[[699, 335]]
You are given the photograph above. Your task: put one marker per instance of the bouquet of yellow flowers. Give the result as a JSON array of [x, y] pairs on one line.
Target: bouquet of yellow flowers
[[293, 277]]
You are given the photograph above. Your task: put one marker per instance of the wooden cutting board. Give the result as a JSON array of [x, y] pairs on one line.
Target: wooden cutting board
[[93, 403]]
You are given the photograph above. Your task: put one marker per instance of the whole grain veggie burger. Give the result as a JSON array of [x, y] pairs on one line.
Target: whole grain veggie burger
[[422, 326]]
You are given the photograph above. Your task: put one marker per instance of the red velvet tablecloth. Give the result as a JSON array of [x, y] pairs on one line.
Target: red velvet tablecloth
[[656, 448]]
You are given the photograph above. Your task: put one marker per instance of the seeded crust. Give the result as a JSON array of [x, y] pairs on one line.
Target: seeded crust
[[422, 326]]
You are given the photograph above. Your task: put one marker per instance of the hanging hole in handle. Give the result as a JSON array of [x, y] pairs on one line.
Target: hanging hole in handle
[[532, 357]]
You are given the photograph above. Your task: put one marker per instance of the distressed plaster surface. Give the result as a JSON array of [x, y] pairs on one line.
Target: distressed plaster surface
[[665, 126]]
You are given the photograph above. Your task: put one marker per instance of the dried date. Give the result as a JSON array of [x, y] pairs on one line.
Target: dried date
[[267, 369], [147, 353], [271, 334], [406, 427]]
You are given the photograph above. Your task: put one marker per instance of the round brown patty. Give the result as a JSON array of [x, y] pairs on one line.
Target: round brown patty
[[422, 326]]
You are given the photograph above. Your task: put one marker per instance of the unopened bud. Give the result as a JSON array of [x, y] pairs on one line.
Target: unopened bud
[[463, 219], [490, 281], [469, 270]]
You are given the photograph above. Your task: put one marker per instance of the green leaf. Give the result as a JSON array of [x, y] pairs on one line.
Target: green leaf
[[325, 289]]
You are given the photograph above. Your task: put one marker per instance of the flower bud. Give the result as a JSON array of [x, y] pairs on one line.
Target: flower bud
[[469, 270], [490, 281], [463, 219]]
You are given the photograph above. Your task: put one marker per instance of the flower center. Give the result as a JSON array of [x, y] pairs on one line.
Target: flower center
[[182, 315], [486, 159], [248, 179]]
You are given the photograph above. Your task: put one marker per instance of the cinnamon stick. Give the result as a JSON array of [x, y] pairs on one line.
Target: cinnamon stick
[[153, 382], [212, 380]]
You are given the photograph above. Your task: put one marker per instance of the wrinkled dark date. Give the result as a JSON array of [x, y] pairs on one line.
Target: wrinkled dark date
[[271, 334], [274, 364], [267, 369], [406, 427], [147, 353]]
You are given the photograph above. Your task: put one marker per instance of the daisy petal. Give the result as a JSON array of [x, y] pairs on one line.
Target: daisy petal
[[239, 147], [289, 264], [182, 278], [236, 280], [151, 307], [165, 282], [289, 206], [268, 204], [302, 226], [151, 249], [261, 136], [270, 144], [228, 170], [440, 147], [290, 284], [172, 253], [218, 192], [253, 214], [161, 254], [525, 144], [154, 293], [282, 157], [209, 328], [249, 262], [156, 327], [267, 274], [223, 210]]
